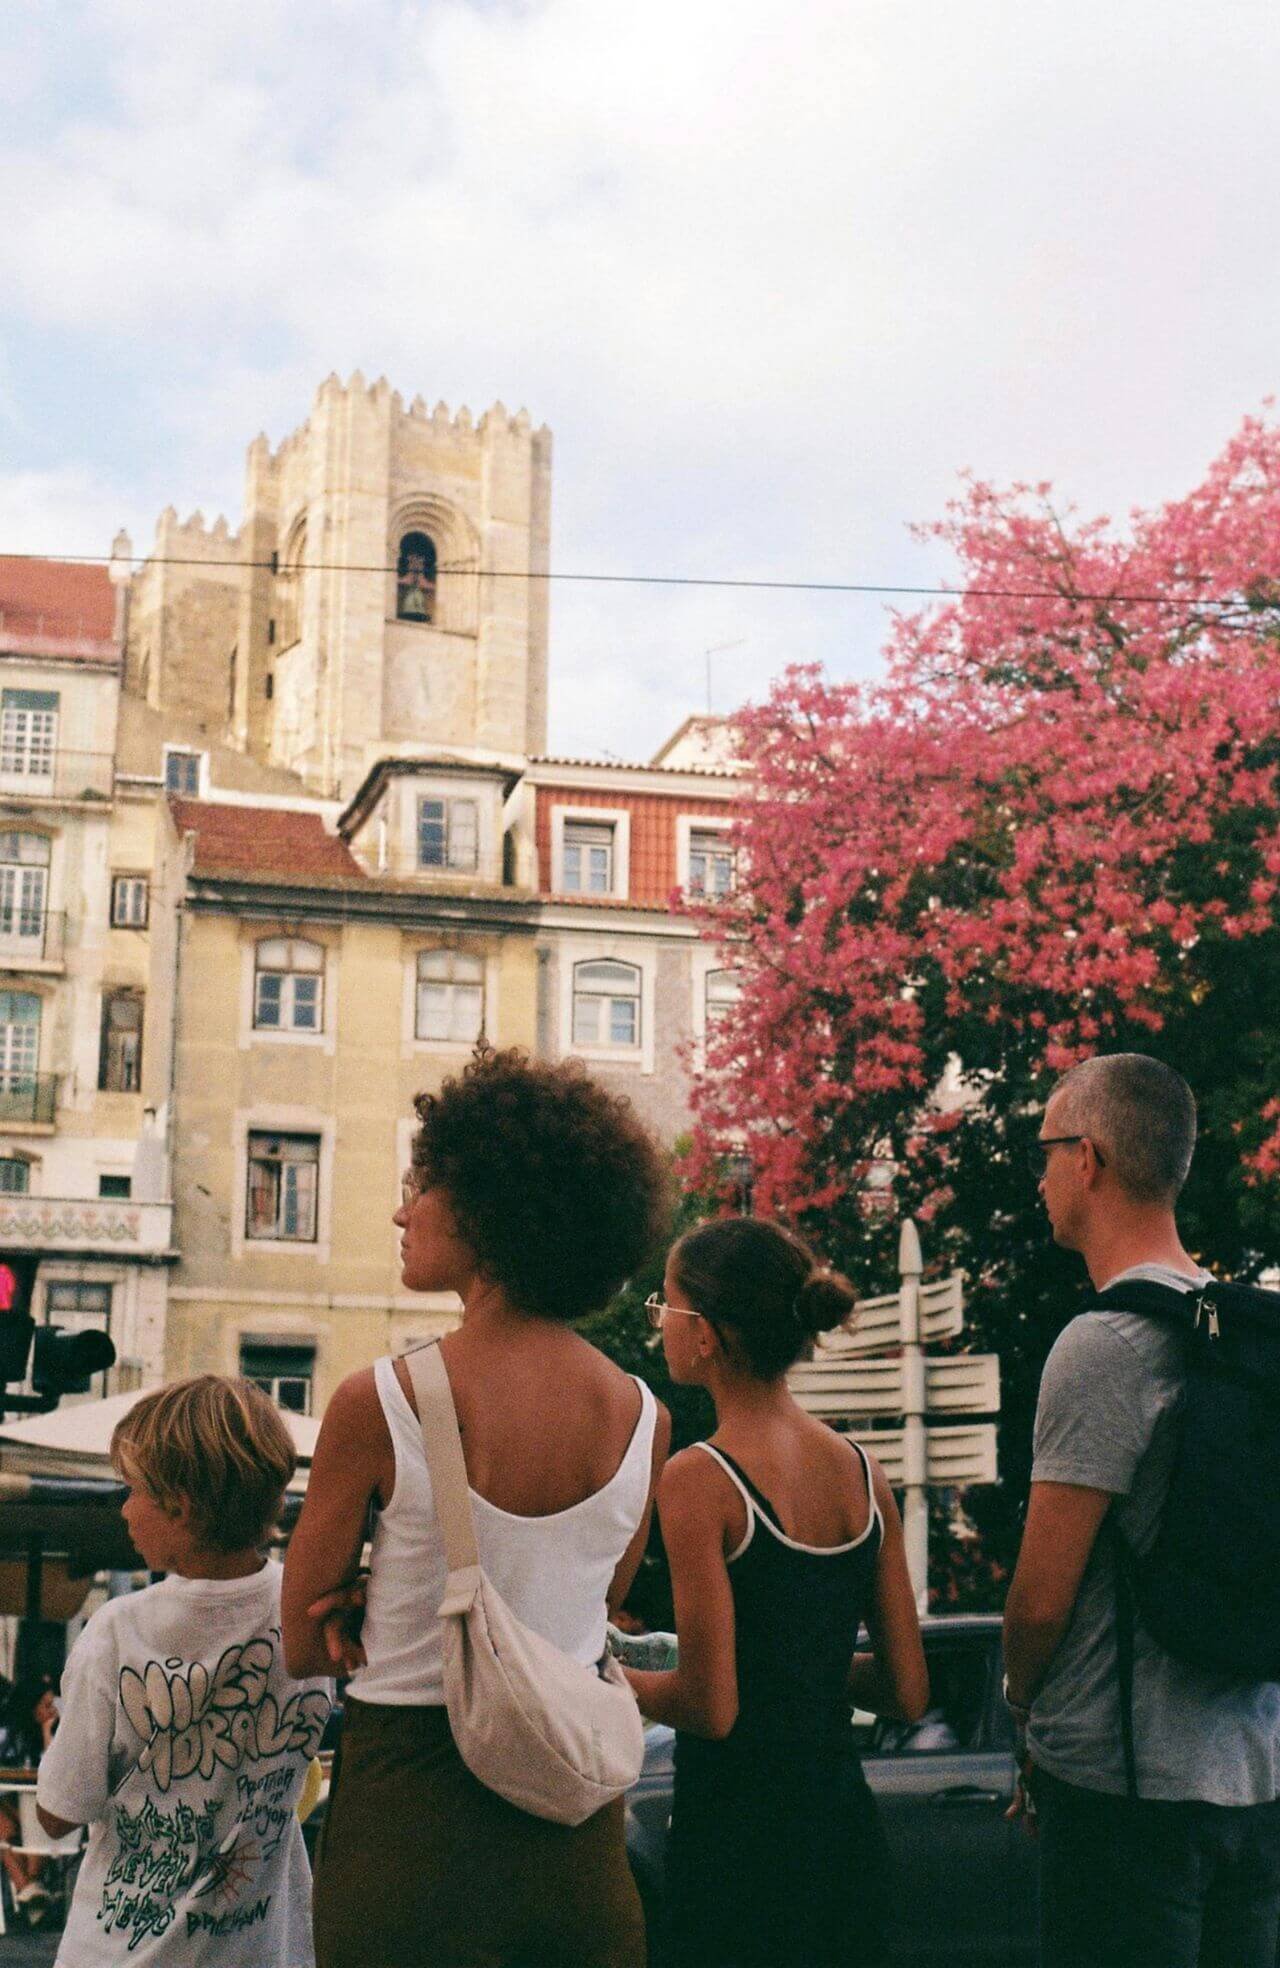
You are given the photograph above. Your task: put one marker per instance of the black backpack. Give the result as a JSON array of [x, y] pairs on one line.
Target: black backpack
[[1208, 1590]]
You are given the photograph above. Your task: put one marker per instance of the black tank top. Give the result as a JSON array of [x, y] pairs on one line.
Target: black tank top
[[797, 1609]]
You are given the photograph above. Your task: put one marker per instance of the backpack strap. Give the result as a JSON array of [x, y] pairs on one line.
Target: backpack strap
[[1126, 1620], [1171, 1306], [1167, 1303], [442, 1443]]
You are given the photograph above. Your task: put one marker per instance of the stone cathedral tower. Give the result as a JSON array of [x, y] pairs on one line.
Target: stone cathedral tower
[[388, 608]]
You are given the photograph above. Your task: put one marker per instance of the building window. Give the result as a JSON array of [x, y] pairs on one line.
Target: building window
[[19, 1041], [606, 1004], [129, 898], [288, 985], [182, 773], [450, 1001], [15, 1176], [115, 1188], [588, 857], [24, 874], [448, 833], [78, 1307], [721, 995], [416, 579], [284, 1370], [28, 732], [284, 1172], [120, 1061], [710, 862]]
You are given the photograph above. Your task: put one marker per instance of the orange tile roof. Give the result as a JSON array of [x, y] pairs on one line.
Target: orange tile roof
[[51, 602], [258, 840]]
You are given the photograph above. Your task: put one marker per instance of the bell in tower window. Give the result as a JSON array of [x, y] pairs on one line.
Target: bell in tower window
[[416, 579]]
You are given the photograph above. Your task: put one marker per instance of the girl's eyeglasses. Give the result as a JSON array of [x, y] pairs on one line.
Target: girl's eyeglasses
[[657, 1309]]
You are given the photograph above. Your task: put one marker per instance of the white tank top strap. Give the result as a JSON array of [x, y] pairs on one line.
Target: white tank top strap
[[743, 1492], [401, 1421], [641, 1443]]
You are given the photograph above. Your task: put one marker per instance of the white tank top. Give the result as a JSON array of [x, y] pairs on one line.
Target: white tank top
[[553, 1572]]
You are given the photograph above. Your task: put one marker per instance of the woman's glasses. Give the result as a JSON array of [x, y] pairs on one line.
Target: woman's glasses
[[657, 1308]]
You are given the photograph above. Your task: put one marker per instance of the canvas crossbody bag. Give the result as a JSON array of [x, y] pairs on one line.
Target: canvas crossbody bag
[[553, 1737]]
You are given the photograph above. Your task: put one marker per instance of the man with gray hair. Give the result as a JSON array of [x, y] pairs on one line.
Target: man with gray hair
[[1158, 1815]]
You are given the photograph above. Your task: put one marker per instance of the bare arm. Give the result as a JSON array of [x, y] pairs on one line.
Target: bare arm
[[1063, 1521], [701, 1694], [892, 1679], [56, 1827], [350, 1456], [629, 1563]]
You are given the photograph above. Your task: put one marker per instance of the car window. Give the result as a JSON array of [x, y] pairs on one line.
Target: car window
[[959, 1679]]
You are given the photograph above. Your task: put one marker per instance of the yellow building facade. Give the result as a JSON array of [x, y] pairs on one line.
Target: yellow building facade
[[311, 1011]]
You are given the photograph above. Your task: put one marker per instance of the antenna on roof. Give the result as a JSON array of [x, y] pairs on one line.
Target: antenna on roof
[[718, 649]]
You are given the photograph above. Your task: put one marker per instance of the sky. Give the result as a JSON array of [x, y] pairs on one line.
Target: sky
[[774, 271]]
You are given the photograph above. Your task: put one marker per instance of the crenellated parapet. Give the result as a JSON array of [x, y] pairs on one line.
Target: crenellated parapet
[[378, 589]]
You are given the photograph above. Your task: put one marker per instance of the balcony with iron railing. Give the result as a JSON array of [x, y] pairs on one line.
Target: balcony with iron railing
[[54, 773], [32, 939], [28, 1099]]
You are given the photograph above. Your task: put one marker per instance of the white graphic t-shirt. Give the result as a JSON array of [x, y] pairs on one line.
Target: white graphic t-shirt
[[183, 1745]]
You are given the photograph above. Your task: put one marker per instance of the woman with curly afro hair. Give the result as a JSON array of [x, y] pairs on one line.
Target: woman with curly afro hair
[[533, 1194]]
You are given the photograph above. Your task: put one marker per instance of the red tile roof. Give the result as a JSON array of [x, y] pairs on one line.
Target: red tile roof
[[260, 840], [46, 603]]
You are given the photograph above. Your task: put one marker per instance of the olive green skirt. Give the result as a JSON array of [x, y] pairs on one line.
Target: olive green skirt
[[420, 1866]]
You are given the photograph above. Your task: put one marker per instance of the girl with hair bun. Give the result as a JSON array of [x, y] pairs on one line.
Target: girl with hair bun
[[783, 1539]]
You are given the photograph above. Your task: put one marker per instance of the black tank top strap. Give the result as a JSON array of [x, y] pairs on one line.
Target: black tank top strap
[[875, 1517], [760, 1501]]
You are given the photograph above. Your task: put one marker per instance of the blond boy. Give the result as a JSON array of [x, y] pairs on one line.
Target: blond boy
[[184, 1745]]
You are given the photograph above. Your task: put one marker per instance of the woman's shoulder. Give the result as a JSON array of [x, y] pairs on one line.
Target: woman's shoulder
[[354, 1415], [693, 1479]]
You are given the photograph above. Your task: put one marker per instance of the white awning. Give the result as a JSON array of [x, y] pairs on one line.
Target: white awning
[[75, 1439]]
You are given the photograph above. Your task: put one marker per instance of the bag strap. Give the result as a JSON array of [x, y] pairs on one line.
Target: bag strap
[[1126, 1620], [438, 1419]]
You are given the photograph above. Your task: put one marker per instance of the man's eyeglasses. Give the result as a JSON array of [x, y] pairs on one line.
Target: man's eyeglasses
[[657, 1308], [1045, 1142], [409, 1192]]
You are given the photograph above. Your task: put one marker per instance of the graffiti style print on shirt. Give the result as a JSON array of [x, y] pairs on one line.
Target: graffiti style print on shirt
[[159, 1853], [190, 1720], [208, 1852]]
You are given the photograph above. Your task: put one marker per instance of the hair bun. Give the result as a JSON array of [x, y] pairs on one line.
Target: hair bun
[[824, 1301]]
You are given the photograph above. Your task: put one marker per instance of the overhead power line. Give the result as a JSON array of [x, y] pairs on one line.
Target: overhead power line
[[753, 582]]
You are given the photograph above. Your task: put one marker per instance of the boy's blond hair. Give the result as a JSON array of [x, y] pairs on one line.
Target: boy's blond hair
[[219, 1446]]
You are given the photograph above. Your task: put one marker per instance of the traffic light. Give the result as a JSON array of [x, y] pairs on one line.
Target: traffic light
[[17, 1281], [65, 1362]]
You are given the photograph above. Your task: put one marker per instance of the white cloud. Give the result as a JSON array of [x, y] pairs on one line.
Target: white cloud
[[772, 272], [69, 508]]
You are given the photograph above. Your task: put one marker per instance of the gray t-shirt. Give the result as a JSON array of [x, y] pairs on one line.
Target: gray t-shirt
[[1106, 1420]]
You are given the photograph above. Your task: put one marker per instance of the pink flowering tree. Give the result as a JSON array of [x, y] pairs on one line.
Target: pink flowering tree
[[1053, 829]]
